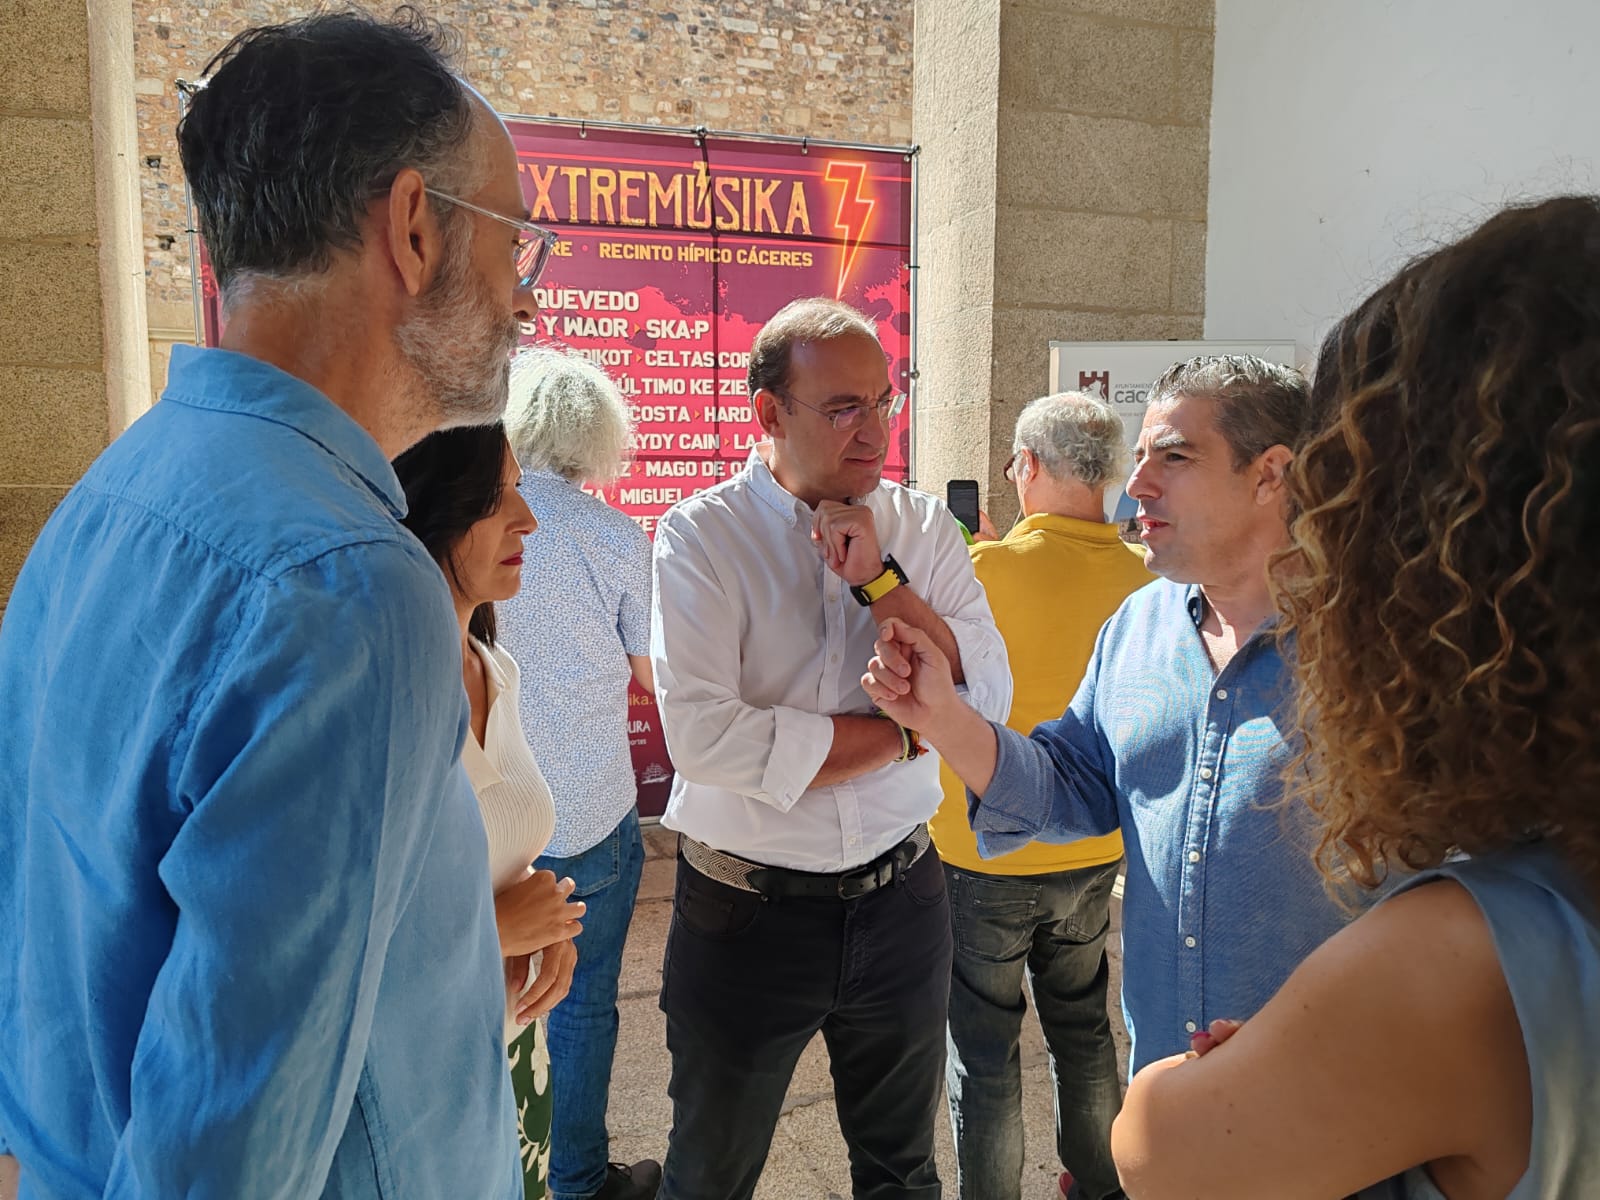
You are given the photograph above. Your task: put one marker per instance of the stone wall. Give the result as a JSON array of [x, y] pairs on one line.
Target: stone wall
[[72, 333], [814, 68], [1065, 166]]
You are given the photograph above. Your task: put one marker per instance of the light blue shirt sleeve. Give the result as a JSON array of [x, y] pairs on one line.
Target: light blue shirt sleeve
[[1055, 785], [633, 615], [313, 785]]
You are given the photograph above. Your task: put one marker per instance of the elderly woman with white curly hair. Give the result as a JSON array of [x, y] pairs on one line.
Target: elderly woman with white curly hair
[[579, 628]]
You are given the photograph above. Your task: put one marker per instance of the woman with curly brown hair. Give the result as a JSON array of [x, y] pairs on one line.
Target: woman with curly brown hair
[[1447, 1044]]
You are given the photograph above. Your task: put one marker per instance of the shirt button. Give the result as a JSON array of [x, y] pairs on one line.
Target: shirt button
[[833, 658], [1189, 942], [1205, 772], [852, 841], [1222, 693], [1194, 856], [1190, 1026]]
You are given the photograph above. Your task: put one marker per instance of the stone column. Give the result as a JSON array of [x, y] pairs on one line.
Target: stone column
[[74, 362], [1063, 196]]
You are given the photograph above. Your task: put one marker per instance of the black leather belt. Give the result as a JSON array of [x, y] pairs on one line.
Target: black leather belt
[[785, 882]]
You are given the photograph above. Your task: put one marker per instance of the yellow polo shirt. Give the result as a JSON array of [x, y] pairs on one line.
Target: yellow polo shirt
[[1052, 583]]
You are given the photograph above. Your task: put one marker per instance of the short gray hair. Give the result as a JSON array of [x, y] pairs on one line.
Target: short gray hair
[[1260, 404], [814, 319], [1074, 436], [566, 415]]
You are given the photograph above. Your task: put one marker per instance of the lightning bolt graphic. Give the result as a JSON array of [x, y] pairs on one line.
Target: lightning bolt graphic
[[854, 215]]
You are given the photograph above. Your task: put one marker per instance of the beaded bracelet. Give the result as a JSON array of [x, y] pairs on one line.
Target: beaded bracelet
[[910, 744]]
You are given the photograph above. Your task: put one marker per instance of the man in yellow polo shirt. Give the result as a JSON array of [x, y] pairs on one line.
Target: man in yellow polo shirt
[[1041, 911]]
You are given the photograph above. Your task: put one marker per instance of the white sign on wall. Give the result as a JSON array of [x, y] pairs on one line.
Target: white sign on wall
[[1122, 372]]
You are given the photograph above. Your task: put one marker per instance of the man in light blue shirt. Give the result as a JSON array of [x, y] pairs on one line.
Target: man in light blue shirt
[[1177, 734], [249, 947]]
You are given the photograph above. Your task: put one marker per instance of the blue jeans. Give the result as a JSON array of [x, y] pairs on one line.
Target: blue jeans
[[1052, 929], [583, 1027]]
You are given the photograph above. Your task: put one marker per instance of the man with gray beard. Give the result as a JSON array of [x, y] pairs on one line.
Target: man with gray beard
[[249, 947]]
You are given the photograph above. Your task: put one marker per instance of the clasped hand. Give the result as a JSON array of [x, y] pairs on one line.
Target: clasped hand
[[909, 676], [536, 912], [549, 987]]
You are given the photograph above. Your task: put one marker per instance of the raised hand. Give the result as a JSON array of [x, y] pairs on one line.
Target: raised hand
[[909, 676], [848, 538]]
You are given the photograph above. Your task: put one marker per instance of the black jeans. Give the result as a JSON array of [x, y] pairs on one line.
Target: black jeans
[[749, 981]]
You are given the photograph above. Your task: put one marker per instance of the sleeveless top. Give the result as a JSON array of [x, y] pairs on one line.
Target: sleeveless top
[[1546, 931], [518, 814]]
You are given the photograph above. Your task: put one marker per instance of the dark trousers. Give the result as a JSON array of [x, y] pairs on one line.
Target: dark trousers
[[748, 981], [1050, 929]]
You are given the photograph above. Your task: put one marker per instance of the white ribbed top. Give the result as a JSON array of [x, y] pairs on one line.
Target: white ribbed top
[[512, 795]]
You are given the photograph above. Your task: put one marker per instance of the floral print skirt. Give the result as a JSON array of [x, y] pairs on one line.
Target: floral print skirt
[[530, 1083]]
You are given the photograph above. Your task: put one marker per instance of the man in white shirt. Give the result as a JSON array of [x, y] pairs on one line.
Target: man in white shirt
[[807, 896]]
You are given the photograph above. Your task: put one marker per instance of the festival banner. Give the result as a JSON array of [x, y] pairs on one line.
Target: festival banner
[[676, 246], [675, 249]]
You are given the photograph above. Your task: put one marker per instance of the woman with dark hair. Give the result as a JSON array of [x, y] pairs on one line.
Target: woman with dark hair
[[1440, 590], [463, 505]]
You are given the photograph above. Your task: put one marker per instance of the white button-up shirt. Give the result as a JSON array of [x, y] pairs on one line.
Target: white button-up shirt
[[756, 644]]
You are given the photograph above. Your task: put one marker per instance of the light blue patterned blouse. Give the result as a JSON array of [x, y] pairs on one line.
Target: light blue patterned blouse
[[584, 607]]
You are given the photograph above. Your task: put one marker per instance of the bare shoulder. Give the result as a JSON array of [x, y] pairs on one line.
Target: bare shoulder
[[1454, 1019], [1438, 940], [1428, 957]]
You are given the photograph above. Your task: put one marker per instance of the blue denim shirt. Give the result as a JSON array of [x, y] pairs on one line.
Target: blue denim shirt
[[248, 947], [1221, 900]]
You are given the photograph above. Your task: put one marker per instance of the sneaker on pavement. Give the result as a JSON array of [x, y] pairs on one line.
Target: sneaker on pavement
[[638, 1182], [1065, 1183]]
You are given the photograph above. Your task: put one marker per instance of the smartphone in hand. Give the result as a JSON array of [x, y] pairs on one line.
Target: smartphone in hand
[[962, 497]]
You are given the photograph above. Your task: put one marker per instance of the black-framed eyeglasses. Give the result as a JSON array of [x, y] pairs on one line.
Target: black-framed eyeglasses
[[844, 419], [534, 246], [1009, 471]]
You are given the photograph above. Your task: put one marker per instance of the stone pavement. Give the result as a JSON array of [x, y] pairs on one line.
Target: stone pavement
[[808, 1159]]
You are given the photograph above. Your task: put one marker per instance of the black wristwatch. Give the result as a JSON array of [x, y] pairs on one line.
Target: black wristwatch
[[870, 593]]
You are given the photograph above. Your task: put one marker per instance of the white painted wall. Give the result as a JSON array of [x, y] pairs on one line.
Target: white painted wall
[[1349, 135]]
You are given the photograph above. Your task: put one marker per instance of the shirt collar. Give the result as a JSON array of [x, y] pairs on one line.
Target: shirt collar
[[765, 484], [1097, 531], [1195, 599], [780, 499], [223, 381]]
